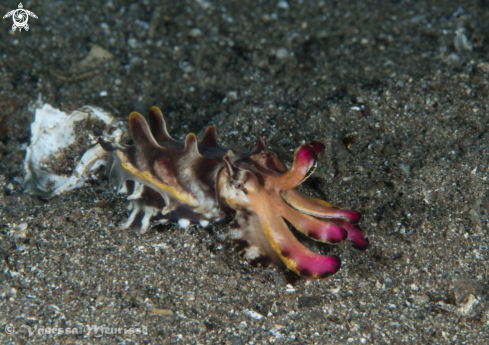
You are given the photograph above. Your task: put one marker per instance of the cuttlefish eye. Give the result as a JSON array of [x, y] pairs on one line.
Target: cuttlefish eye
[[235, 184]]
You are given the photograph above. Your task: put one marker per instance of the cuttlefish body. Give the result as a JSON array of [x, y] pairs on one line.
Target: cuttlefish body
[[199, 182]]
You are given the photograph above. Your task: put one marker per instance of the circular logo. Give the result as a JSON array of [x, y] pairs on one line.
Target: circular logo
[[20, 17]]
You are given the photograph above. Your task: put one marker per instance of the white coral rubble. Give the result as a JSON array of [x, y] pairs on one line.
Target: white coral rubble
[[54, 134]]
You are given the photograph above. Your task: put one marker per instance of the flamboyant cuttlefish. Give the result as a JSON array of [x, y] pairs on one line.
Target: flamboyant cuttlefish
[[189, 182]]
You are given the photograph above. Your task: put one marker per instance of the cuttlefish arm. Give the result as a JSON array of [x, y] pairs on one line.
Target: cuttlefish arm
[[328, 213], [293, 253], [253, 246], [270, 199], [318, 208]]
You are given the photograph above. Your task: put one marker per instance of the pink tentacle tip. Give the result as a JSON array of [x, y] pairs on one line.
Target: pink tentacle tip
[[354, 216], [361, 244], [319, 266], [335, 234], [329, 233], [317, 146], [306, 155], [356, 235]]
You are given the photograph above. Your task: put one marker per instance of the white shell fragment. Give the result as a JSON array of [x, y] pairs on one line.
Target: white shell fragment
[[19, 231], [461, 42], [466, 308], [184, 223], [64, 149], [253, 314]]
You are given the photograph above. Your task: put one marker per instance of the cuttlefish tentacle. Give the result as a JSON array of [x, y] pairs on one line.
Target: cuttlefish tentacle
[[355, 234], [304, 159], [346, 219], [319, 230], [294, 254], [253, 246], [269, 197], [317, 146], [318, 208]]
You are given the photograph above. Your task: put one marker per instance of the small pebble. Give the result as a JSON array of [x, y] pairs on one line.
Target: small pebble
[[232, 95], [254, 314], [204, 4], [132, 42], [484, 67], [461, 42], [282, 53], [10, 188], [453, 59], [20, 227], [195, 32], [289, 288], [284, 5], [422, 299], [164, 312]]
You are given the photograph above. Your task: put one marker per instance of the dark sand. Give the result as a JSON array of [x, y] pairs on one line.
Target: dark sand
[[404, 116]]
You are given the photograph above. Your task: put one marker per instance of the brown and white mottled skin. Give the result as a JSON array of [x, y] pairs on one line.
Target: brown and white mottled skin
[[199, 182]]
